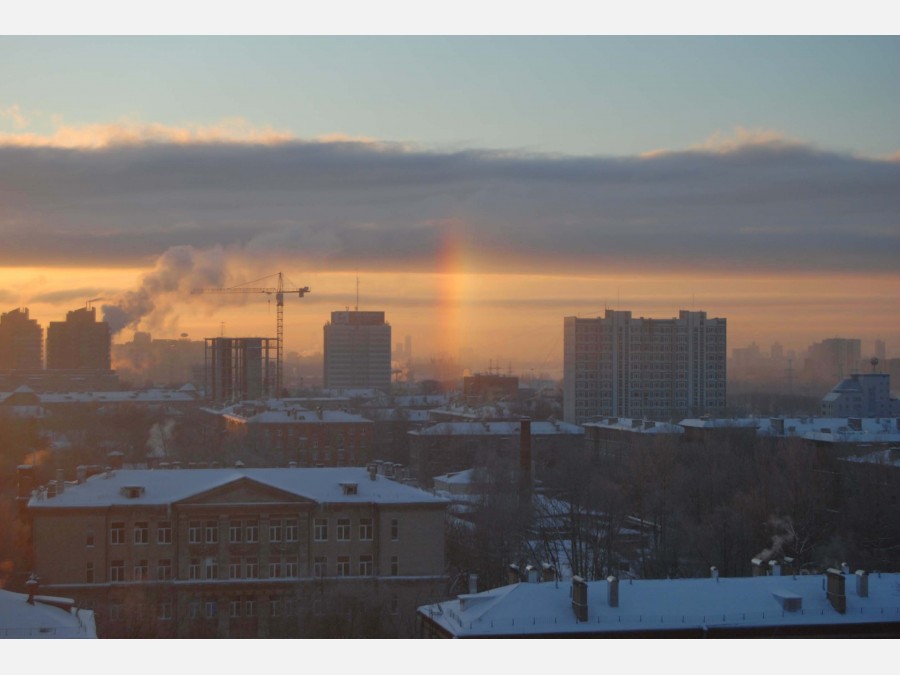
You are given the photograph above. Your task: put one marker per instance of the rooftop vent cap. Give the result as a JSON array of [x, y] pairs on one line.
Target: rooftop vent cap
[[350, 488], [132, 491]]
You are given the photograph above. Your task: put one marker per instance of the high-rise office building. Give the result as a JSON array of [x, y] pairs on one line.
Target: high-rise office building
[[357, 351], [21, 341], [80, 342], [657, 369]]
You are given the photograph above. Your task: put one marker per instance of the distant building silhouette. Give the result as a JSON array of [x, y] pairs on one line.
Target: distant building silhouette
[[21, 341], [861, 395], [357, 351], [79, 343], [643, 368], [239, 369]]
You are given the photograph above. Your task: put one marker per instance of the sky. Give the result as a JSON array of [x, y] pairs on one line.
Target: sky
[[479, 188]]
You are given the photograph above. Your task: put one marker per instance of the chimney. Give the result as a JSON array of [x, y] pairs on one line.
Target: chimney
[[774, 568], [32, 585], [862, 583], [532, 574], [548, 573], [757, 566], [835, 590], [612, 591], [373, 471], [525, 448], [116, 459], [845, 568], [714, 573], [512, 574], [292, 465], [789, 565], [473, 584], [81, 473], [580, 598], [60, 481]]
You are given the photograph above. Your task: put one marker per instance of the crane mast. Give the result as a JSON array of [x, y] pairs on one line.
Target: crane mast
[[278, 291]]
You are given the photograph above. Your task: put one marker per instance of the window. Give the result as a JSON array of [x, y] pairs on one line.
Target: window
[[365, 529], [275, 530], [320, 566], [234, 609], [164, 532], [89, 539], [291, 567], [395, 529], [116, 611], [194, 530], [395, 566], [194, 609], [274, 567], [343, 529], [251, 530], [320, 529], [343, 566], [211, 609], [117, 570], [251, 567], [141, 533], [250, 607], [366, 566], [194, 568], [89, 572], [288, 607], [141, 570], [235, 529], [234, 568], [212, 568], [212, 532], [117, 533], [164, 570], [275, 606], [290, 530], [164, 611], [394, 605]]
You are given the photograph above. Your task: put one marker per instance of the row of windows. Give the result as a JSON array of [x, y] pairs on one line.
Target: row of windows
[[244, 531]]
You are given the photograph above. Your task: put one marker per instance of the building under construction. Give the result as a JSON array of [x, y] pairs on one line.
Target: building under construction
[[239, 369]]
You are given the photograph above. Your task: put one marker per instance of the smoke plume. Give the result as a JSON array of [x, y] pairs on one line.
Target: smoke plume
[[177, 271]]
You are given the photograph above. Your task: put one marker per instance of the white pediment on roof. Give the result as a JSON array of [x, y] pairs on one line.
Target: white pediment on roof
[[245, 491]]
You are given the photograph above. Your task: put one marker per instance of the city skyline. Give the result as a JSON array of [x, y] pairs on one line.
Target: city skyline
[[738, 176]]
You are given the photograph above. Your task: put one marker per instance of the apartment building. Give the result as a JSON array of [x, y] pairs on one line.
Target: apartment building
[[662, 369], [79, 343], [21, 341], [241, 552]]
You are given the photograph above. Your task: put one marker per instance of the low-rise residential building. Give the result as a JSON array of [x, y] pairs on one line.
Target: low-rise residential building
[[836, 604], [241, 552]]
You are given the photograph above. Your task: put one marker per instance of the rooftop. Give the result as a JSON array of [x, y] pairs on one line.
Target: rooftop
[[48, 617]]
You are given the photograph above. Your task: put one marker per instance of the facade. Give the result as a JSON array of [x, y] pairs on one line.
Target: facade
[[659, 369], [833, 359], [241, 553], [357, 351], [21, 341], [79, 343]]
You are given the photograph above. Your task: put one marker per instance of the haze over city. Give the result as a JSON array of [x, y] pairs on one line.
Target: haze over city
[[487, 187]]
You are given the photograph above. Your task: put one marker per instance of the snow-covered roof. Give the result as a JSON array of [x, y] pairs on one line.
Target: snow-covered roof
[[503, 428], [636, 426], [46, 618], [167, 486], [140, 396], [827, 429], [662, 604], [886, 457], [289, 416]]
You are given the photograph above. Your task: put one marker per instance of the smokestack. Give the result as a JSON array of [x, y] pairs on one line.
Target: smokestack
[[32, 585], [512, 574], [835, 590], [757, 566], [116, 459], [473, 584], [525, 448], [81, 473], [612, 591]]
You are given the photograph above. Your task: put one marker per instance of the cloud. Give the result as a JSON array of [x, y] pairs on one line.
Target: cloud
[[132, 132], [15, 115], [754, 202]]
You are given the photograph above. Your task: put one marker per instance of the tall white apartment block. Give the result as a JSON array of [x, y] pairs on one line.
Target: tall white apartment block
[[661, 369], [357, 351]]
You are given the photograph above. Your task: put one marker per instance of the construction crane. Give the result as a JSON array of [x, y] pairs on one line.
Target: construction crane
[[278, 291]]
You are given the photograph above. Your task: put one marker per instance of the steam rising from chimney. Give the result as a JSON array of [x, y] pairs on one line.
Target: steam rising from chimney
[[177, 271]]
